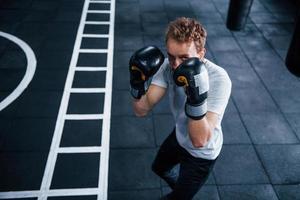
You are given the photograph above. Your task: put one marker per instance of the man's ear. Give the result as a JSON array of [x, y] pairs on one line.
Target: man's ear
[[201, 53]]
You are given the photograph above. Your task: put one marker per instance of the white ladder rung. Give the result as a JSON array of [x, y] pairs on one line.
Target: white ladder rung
[[97, 22], [99, 1], [99, 11], [91, 68], [80, 149], [93, 51], [73, 192], [88, 90], [95, 35], [83, 116]]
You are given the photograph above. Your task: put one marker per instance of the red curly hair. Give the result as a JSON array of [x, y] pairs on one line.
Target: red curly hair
[[187, 30]]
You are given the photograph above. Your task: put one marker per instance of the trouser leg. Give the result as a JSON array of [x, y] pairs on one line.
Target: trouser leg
[[192, 175], [166, 159]]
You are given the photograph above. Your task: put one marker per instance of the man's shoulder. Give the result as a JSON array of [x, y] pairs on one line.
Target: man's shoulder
[[165, 69], [214, 70], [161, 77], [212, 66], [165, 65]]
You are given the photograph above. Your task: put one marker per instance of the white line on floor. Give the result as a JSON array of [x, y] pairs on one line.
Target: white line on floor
[[100, 11], [30, 70], [95, 35], [49, 170], [91, 68], [55, 149], [97, 23], [99, 1], [50, 193], [96, 149], [83, 116], [88, 90], [93, 50], [104, 162]]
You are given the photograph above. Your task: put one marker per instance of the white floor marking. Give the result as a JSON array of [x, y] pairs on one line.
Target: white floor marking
[[51, 193], [99, 1], [91, 69], [93, 51], [99, 11], [95, 35], [30, 70], [19, 194], [88, 90], [103, 150], [96, 149], [83, 116], [103, 170], [97, 23]]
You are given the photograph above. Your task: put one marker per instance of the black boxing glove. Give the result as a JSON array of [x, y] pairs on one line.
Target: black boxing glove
[[193, 75], [143, 64]]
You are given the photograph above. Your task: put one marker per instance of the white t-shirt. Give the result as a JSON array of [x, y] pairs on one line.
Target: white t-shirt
[[218, 96]]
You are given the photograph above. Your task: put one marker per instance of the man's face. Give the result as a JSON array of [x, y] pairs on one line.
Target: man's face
[[180, 51]]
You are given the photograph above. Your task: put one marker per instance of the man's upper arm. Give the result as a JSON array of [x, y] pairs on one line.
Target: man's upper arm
[[159, 85], [219, 94]]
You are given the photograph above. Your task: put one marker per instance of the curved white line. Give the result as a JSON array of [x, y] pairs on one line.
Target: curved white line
[[31, 66]]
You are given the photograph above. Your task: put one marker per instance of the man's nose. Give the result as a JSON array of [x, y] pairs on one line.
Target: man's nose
[[175, 64]]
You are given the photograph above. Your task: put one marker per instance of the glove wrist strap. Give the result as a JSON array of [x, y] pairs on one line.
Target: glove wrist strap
[[138, 93], [135, 93], [196, 111]]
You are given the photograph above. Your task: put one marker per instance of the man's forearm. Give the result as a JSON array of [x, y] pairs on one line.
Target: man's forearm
[[200, 131], [141, 106]]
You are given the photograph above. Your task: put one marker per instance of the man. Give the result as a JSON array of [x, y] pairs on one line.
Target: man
[[198, 91]]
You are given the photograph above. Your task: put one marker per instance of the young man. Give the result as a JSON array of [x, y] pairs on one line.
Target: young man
[[198, 91]]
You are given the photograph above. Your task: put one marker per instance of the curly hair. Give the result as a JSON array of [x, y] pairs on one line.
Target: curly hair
[[187, 30]]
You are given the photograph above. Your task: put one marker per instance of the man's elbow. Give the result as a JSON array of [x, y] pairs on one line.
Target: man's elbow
[[199, 143], [140, 114]]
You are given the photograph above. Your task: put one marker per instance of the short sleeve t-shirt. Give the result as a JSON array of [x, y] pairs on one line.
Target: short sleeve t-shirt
[[217, 100]]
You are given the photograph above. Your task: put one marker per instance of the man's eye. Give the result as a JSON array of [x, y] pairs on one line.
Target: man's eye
[[184, 58], [171, 58]]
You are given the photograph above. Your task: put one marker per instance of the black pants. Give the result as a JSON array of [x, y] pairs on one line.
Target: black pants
[[192, 173]]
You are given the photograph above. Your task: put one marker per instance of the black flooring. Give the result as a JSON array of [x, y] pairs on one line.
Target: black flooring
[[260, 158]]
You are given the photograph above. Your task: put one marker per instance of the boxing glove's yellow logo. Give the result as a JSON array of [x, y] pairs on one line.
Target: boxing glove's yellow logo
[[183, 80], [134, 68]]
